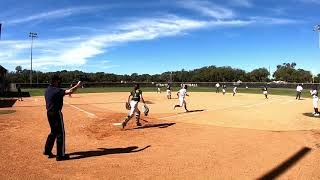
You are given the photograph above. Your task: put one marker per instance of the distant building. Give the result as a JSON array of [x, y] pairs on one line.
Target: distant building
[[3, 73]]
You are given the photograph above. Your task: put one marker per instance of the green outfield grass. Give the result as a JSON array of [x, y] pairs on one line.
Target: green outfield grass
[[272, 91]]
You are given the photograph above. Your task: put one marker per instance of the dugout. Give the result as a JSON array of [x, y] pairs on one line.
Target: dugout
[[3, 87]]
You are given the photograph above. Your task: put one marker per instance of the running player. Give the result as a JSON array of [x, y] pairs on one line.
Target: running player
[[169, 91], [182, 93], [224, 88], [314, 94], [217, 88], [299, 90], [134, 99], [159, 90], [234, 90], [265, 91]]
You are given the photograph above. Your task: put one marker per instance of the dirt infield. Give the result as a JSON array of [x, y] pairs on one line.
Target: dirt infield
[[224, 137]]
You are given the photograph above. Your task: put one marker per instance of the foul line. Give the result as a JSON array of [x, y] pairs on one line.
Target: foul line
[[91, 115]]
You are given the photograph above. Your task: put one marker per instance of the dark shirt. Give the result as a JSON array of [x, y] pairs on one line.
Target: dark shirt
[[136, 95], [54, 98]]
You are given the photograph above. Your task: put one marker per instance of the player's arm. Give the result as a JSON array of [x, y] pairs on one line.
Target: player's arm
[[71, 90], [129, 98], [142, 99], [178, 93]]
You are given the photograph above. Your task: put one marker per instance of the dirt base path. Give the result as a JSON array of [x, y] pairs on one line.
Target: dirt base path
[[161, 149]]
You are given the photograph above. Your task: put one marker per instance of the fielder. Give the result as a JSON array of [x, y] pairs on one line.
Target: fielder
[[234, 90], [299, 90], [314, 94], [265, 91], [134, 99], [182, 93], [217, 88], [169, 91], [159, 90], [224, 87]]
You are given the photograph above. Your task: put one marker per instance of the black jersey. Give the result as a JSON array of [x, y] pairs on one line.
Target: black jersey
[[54, 98]]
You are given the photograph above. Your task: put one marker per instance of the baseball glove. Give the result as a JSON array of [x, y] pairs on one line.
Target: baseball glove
[[128, 107], [145, 110]]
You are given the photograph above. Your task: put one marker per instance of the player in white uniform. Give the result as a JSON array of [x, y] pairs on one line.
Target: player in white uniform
[[314, 94], [234, 90], [182, 93], [265, 91], [217, 88], [224, 87], [299, 90]]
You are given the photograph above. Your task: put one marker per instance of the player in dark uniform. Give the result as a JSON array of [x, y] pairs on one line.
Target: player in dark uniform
[[19, 92], [134, 99], [54, 102]]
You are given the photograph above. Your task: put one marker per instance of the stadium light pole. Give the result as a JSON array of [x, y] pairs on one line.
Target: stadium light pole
[[317, 29], [32, 35]]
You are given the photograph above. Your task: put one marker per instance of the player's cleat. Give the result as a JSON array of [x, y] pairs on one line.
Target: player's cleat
[[317, 115], [139, 124], [49, 154], [120, 125], [62, 158]]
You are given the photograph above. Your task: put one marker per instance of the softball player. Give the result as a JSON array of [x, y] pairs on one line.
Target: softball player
[[314, 94], [169, 91], [54, 102], [224, 87], [234, 91], [299, 90], [217, 88], [265, 91], [182, 93], [134, 99]]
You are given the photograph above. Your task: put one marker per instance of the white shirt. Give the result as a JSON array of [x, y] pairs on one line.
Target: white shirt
[[217, 85], [182, 93], [314, 93], [299, 88]]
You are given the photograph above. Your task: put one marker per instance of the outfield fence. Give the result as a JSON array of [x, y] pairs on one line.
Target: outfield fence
[[178, 84]]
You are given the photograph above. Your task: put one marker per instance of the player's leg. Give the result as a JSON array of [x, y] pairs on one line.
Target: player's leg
[[134, 107], [61, 139], [52, 119], [138, 117], [185, 105], [315, 106], [180, 103]]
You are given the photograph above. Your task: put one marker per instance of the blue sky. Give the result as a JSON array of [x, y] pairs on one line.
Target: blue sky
[[149, 36]]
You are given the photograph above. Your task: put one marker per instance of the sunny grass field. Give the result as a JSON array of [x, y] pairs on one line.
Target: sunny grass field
[[272, 91]]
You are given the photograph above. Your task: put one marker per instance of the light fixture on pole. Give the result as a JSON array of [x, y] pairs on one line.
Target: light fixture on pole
[[317, 29], [32, 35]]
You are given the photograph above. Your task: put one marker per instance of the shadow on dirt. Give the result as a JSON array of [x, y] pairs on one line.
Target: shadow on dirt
[[310, 115], [284, 166], [193, 111], [161, 125], [105, 151]]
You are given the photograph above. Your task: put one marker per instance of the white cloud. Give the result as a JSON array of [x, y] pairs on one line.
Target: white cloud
[[207, 8], [273, 21], [76, 51], [60, 13]]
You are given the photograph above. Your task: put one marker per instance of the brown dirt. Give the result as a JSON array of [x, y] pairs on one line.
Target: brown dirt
[[243, 137]]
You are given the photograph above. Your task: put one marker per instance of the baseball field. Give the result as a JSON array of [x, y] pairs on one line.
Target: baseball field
[[222, 137]]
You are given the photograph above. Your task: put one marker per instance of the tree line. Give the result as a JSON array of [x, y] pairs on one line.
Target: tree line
[[285, 72]]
